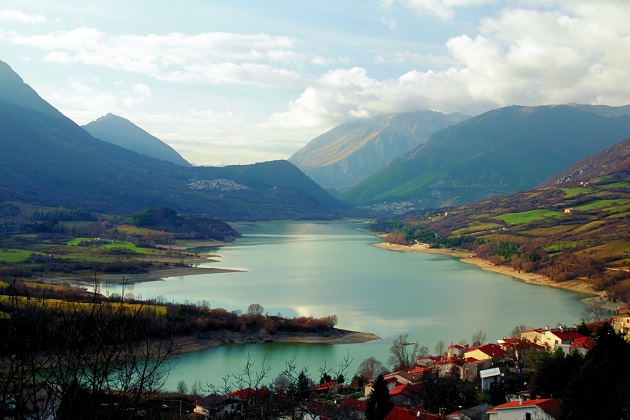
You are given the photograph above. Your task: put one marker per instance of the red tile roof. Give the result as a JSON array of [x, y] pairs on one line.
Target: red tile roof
[[402, 390], [246, 393], [551, 406], [354, 404], [567, 335], [455, 346], [586, 343], [400, 413], [528, 345], [492, 350], [326, 385]]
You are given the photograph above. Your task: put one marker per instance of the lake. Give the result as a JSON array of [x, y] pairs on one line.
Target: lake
[[325, 268]]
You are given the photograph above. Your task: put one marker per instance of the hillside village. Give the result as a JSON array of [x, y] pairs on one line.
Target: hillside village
[[499, 376]]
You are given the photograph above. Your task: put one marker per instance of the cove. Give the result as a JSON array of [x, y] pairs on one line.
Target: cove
[[325, 268]]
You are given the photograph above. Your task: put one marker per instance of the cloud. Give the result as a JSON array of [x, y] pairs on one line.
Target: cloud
[[444, 9], [211, 57], [12, 15], [577, 53]]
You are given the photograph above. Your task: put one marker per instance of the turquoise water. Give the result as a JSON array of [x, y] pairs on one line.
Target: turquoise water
[[320, 269]]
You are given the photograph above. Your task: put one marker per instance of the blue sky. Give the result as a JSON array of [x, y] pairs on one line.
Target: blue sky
[[232, 82]]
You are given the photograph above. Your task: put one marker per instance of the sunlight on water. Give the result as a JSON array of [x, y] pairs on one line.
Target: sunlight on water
[[321, 269]]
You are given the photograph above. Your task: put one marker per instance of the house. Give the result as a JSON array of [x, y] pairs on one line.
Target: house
[[326, 387], [217, 406], [472, 367], [522, 348], [507, 344], [543, 409], [404, 394], [488, 377], [559, 338], [490, 352], [533, 335], [477, 412], [583, 345], [455, 351], [453, 367], [621, 321], [396, 379], [428, 361]]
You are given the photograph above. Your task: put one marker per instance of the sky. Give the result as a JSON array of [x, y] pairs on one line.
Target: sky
[[238, 82]]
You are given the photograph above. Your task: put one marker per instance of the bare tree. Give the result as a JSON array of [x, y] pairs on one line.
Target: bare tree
[[96, 358], [255, 309], [403, 354], [478, 338], [439, 348], [370, 368], [516, 332]]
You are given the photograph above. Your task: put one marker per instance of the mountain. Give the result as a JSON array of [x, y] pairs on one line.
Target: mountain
[[349, 153], [496, 153], [47, 159], [122, 132], [578, 229], [612, 160]]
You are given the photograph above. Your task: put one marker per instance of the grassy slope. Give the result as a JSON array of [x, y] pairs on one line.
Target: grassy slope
[[592, 241]]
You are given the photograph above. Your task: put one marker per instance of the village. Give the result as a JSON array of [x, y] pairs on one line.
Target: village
[[490, 369]]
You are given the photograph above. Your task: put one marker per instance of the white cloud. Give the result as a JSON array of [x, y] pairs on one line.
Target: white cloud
[[212, 57], [444, 9], [12, 15], [526, 56]]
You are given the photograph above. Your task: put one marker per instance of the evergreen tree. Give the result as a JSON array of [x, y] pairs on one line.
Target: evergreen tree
[[601, 388], [378, 404]]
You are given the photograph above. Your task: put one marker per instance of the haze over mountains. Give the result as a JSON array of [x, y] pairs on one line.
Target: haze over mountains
[[496, 153], [349, 153], [122, 132], [49, 160]]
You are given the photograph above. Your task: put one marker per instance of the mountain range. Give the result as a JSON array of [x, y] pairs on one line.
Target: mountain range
[[349, 153], [47, 159], [496, 153], [122, 132]]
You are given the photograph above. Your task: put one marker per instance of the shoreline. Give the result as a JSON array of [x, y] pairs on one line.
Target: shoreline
[[594, 298], [185, 345]]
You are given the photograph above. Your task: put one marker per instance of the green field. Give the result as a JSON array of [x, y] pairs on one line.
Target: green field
[[572, 192], [477, 227], [602, 204], [126, 246], [526, 216], [14, 255]]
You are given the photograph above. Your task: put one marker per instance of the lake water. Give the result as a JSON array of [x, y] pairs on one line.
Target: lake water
[[319, 269]]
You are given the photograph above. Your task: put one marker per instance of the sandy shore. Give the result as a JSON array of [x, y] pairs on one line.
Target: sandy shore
[[595, 298], [191, 344]]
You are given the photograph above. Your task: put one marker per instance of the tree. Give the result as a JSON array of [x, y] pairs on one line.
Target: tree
[[370, 368], [439, 348], [518, 330], [478, 338], [255, 309], [182, 388], [379, 403], [553, 372], [403, 354], [601, 388], [85, 354]]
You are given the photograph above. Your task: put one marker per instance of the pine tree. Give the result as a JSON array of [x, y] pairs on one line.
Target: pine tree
[[378, 404]]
